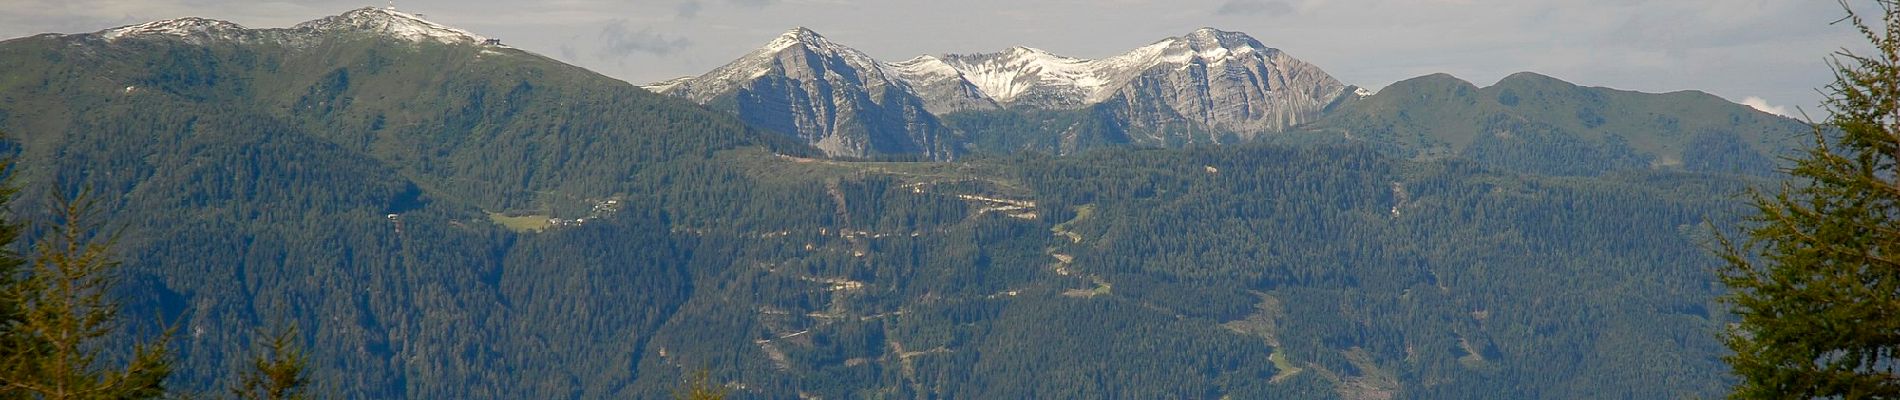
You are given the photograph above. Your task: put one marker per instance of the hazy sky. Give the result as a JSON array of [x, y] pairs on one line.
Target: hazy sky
[[1773, 50]]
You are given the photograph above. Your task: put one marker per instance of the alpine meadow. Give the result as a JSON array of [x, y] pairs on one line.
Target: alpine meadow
[[377, 204]]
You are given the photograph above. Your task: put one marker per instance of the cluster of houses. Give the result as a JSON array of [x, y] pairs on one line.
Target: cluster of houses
[[604, 207]]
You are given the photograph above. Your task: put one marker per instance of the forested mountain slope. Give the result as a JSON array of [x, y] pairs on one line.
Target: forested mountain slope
[[338, 173], [1539, 124], [503, 124], [453, 219]]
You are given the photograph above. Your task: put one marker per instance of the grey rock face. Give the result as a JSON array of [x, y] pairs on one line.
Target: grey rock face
[[943, 88], [834, 97], [1224, 83]]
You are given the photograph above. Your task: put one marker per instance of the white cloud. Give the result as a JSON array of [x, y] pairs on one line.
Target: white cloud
[[1762, 104], [619, 41]]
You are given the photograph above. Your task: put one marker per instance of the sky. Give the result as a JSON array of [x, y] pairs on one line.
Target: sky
[[1767, 53]]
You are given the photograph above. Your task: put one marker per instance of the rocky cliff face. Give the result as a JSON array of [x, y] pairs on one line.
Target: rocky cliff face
[[943, 87], [1226, 83], [834, 97]]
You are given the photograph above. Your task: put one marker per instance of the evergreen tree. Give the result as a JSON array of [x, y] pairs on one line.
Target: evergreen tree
[[10, 263], [63, 313], [278, 372], [1817, 286], [700, 387]]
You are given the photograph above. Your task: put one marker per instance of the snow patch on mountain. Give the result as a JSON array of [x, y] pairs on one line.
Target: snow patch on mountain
[[1039, 78], [187, 28], [925, 68], [394, 23], [1010, 74], [382, 21]]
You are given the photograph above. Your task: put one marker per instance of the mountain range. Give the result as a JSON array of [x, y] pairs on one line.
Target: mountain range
[[1208, 86], [1202, 217]]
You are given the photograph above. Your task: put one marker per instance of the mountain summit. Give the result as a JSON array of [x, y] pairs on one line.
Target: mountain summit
[[371, 20], [1029, 77], [189, 28], [769, 59], [390, 22], [1205, 80], [832, 96]]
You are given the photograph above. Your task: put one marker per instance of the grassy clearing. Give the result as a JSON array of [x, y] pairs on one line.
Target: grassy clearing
[[1081, 213], [1286, 367], [521, 223], [1102, 288]]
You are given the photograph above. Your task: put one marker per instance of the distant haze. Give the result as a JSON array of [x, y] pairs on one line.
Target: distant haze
[[1767, 53]]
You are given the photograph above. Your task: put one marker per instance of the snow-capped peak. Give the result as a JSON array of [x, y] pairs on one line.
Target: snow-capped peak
[[382, 21], [1207, 32], [797, 36], [394, 23], [1205, 38], [810, 40], [1205, 44], [800, 43], [1020, 71], [188, 28]]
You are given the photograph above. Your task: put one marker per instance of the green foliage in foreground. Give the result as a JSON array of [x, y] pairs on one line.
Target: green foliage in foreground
[[277, 371], [701, 387], [55, 347], [63, 319], [1820, 306]]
